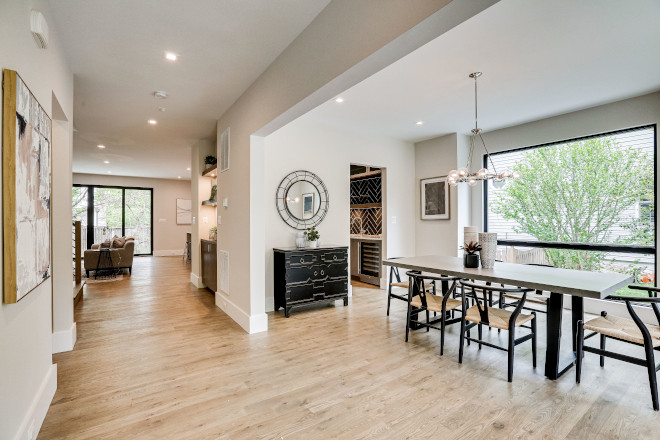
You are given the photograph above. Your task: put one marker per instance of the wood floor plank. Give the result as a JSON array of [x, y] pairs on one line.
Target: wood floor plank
[[156, 359]]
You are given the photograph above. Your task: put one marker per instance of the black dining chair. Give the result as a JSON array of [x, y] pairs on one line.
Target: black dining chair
[[422, 300], [539, 298], [394, 274], [633, 331], [481, 314]]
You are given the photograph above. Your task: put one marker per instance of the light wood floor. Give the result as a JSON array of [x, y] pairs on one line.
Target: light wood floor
[[155, 359]]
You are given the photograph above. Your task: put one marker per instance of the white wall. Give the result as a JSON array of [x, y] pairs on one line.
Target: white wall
[[27, 377], [169, 238], [328, 152], [323, 61]]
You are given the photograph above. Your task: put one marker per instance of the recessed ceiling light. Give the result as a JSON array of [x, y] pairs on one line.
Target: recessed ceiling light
[[100, 146], [188, 169], [419, 123], [171, 56], [152, 121], [109, 172], [106, 161], [178, 177], [161, 109], [339, 100], [160, 94]]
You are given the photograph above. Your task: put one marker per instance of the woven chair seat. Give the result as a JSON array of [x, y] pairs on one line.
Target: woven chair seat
[[434, 303], [531, 297], [499, 318], [622, 328], [401, 284]]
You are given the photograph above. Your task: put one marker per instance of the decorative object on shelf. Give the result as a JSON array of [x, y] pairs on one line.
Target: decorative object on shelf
[[290, 193], [435, 198], [312, 236], [470, 233], [470, 257], [213, 233], [183, 212], [26, 168], [300, 240], [210, 161], [465, 174], [214, 190], [488, 243]]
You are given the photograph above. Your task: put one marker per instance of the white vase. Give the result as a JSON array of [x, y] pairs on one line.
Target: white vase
[[488, 243], [300, 240], [313, 244]]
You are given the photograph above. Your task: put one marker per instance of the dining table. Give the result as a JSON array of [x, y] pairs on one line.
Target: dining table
[[559, 282]]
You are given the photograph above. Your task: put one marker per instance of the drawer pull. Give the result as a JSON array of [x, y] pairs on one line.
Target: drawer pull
[[334, 257], [302, 260], [315, 273], [322, 273]]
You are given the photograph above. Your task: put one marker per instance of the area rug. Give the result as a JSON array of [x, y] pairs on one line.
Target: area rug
[[91, 279]]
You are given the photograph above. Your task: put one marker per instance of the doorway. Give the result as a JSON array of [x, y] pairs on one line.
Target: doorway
[[106, 211]]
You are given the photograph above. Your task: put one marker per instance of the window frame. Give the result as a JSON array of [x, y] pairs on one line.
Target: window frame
[[633, 249]]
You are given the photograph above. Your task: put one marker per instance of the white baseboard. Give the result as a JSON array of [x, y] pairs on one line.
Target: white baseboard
[[196, 280], [65, 340], [249, 323], [169, 253], [36, 413]]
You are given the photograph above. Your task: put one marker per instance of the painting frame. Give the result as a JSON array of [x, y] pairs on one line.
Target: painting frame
[[183, 211], [26, 189], [434, 198], [307, 198]]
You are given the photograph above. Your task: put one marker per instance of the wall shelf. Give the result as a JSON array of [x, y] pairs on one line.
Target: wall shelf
[[367, 205], [211, 172], [210, 203]]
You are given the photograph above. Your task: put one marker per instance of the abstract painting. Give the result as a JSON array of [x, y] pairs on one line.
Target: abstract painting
[[26, 169], [435, 199], [183, 212]]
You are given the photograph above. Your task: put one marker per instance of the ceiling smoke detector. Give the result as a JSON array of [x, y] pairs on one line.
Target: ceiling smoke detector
[[160, 94], [39, 29]]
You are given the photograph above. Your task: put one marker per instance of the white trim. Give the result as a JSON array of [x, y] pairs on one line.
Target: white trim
[[36, 413], [65, 340], [196, 280], [350, 289], [250, 323], [169, 253]]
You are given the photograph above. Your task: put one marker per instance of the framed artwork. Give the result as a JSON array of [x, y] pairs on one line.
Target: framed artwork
[[26, 189], [435, 198], [308, 205], [183, 212]]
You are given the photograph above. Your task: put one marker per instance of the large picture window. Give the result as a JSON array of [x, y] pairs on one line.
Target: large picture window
[[106, 211], [586, 204]]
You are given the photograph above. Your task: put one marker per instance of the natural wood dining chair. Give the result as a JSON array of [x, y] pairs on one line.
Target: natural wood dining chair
[[481, 314], [426, 301], [633, 331]]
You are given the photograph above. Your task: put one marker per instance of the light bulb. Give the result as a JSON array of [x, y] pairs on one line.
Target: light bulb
[[453, 183], [462, 172], [453, 173], [498, 183], [297, 199], [516, 174], [482, 172], [507, 173], [472, 181]]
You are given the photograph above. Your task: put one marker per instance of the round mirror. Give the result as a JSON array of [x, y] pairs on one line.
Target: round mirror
[[302, 199]]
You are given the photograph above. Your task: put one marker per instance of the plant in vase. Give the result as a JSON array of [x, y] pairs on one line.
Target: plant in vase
[[471, 258], [312, 236], [214, 190], [210, 160]]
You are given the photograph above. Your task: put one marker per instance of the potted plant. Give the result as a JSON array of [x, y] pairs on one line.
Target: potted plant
[[210, 161], [471, 258], [214, 190], [312, 236]]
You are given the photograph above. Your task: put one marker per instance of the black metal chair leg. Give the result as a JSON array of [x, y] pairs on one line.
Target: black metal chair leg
[[480, 334], [389, 299], [462, 339], [410, 287], [579, 343], [512, 338], [653, 380], [602, 347], [427, 321], [443, 318], [534, 340]]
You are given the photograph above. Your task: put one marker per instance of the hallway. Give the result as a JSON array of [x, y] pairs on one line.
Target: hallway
[[156, 359]]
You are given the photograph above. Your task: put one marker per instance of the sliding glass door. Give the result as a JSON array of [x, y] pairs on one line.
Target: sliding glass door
[[108, 211]]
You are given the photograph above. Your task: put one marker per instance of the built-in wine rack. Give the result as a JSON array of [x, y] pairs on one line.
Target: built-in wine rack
[[370, 259]]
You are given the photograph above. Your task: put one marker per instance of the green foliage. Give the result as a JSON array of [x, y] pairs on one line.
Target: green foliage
[[471, 248], [311, 234], [575, 193]]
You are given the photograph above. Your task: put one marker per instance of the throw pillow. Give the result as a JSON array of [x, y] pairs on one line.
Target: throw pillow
[[118, 242], [105, 244]]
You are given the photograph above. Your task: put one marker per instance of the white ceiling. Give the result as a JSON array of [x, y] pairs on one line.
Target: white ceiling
[[116, 49], [539, 58]]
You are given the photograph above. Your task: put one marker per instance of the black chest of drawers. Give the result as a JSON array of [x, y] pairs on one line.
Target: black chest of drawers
[[304, 276]]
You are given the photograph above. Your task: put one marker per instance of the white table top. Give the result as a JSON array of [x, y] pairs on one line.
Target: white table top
[[553, 279]]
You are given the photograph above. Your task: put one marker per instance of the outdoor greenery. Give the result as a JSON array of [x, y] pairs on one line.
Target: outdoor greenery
[[576, 192]]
